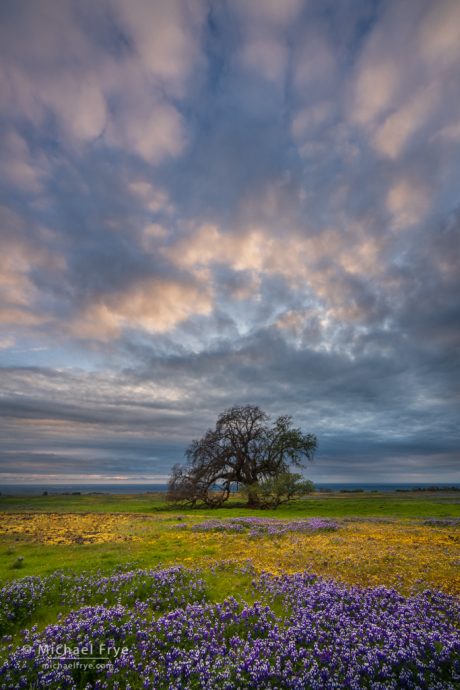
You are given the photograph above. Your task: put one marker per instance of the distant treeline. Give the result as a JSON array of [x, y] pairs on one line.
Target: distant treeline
[[431, 488], [374, 491]]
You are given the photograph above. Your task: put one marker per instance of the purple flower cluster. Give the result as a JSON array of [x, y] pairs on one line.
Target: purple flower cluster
[[303, 632], [18, 600], [160, 590], [443, 522], [256, 526]]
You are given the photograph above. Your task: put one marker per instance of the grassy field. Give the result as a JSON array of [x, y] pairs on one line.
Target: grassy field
[[368, 504], [76, 544], [382, 539]]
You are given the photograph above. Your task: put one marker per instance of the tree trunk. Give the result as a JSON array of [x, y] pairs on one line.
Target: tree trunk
[[253, 496]]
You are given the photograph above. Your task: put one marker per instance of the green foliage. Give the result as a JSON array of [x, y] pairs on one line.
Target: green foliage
[[18, 563], [273, 491]]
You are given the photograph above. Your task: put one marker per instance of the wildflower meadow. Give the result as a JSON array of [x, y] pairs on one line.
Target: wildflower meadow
[[196, 599]]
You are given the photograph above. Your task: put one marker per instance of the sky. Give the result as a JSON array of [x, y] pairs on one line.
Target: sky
[[208, 203]]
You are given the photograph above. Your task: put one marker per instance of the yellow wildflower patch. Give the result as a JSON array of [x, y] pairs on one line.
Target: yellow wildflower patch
[[64, 529], [398, 554], [403, 554]]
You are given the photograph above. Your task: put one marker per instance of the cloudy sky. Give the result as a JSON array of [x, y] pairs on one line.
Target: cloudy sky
[[216, 202]]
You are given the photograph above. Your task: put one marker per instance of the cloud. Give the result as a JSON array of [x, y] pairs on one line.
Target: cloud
[[154, 306], [209, 245], [269, 12], [22, 254], [153, 130], [391, 137], [18, 167], [310, 118], [404, 74], [266, 56], [165, 37], [79, 105], [439, 34], [315, 63], [208, 204], [6, 342], [374, 89], [152, 198], [408, 202], [450, 132], [339, 289], [124, 92], [42, 33], [264, 51]]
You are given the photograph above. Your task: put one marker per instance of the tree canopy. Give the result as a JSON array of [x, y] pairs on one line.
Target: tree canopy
[[243, 449]]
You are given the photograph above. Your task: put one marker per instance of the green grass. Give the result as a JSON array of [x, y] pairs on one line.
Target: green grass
[[40, 559], [411, 505], [157, 545], [85, 503]]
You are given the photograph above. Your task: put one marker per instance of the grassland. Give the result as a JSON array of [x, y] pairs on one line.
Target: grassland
[[382, 539], [93, 550], [367, 504]]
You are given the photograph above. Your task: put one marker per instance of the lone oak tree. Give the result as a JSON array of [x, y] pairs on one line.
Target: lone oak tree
[[243, 449]]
